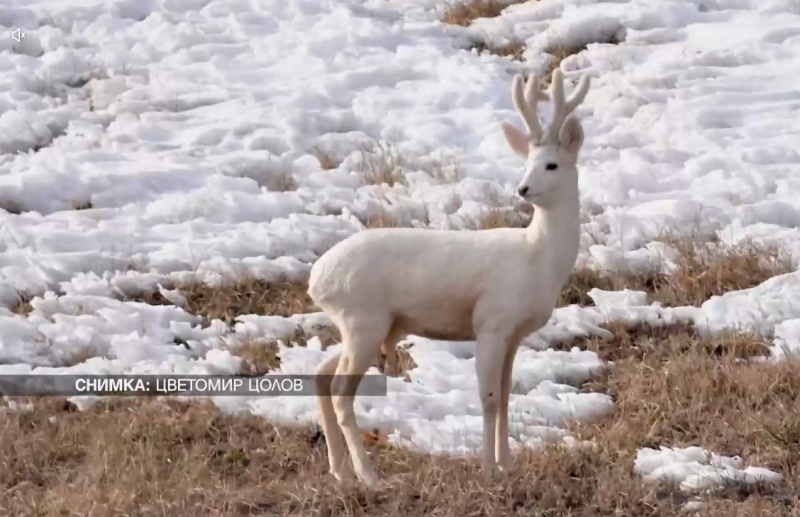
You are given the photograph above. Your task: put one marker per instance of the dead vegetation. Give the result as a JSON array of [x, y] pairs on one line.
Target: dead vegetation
[[559, 53], [82, 205], [281, 183], [380, 163], [704, 269], [397, 364], [327, 161], [148, 457], [502, 211], [671, 387], [23, 306], [245, 296], [514, 49], [260, 357], [248, 296], [445, 171], [464, 13], [674, 388], [382, 218], [499, 217], [81, 355], [273, 174]]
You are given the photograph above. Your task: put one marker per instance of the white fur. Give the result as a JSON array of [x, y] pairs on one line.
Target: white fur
[[494, 286]]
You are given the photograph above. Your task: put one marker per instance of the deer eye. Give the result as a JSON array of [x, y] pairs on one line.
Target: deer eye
[[551, 166]]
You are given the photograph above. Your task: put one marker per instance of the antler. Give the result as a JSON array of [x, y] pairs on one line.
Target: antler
[[526, 102], [562, 107]]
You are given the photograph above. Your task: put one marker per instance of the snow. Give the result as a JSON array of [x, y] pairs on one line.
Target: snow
[[176, 122], [694, 469]]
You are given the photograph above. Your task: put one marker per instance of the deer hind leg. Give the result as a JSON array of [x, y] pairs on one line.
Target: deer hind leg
[[388, 357], [361, 342], [334, 439]]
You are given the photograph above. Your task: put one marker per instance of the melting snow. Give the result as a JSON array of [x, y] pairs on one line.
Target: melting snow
[[174, 122]]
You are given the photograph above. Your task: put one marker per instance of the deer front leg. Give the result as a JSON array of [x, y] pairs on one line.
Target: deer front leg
[[502, 452], [489, 362]]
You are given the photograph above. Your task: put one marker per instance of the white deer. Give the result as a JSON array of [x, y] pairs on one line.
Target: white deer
[[494, 286]]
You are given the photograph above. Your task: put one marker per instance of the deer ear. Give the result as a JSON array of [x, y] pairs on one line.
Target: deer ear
[[517, 140], [570, 137]]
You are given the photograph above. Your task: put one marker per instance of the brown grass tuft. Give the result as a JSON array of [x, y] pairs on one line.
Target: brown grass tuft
[[23, 306], [500, 212], [705, 269], [560, 53], [382, 219], [380, 163], [260, 357], [281, 183], [326, 160], [464, 13], [445, 172], [514, 50], [80, 356], [397, 364]]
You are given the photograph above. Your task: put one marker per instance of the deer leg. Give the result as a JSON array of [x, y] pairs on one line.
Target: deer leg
[[361, 344]]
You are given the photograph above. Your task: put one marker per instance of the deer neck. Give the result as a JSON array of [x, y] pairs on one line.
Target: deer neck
[[554, 234]]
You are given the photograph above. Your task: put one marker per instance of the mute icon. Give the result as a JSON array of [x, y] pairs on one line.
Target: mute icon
[[17, 35]]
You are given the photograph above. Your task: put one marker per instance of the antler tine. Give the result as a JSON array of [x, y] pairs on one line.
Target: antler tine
[[526, 109], [578, 95], [557, 88], [562, 108], [534, 94]]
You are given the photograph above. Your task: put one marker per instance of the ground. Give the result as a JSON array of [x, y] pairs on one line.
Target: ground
[[670, 385], [170, 169]]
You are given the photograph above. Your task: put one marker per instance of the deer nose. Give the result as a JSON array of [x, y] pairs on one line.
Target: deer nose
[[522, 190]]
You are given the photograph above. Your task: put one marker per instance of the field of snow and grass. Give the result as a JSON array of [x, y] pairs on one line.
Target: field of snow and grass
[[170, 169]]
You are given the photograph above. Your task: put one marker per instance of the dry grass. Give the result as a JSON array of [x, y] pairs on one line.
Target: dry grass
[[382, 218], [326, 160], [260, 356], [82, 205], [146, 458], [380, 163], [397, 365], [560, 53], [280, 183], [246, 296], [464, 13], [249, 296], [499, 217], [80, 356], [704, 269], [673, 388], [154, 458], [445, 172], [514, 50], [23, 306], [500, 212]]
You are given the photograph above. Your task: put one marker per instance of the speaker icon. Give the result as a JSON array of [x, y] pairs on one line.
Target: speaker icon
[[17, 35]]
